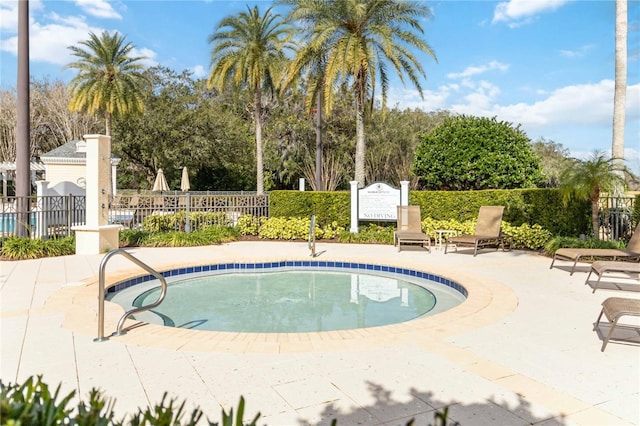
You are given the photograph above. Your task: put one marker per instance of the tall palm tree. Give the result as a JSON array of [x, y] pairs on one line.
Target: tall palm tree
[[110, 80], [587, 179], [620, 93], [362, 38], [249, 50]]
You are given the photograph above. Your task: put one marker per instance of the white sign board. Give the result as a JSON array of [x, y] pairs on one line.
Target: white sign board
[[378, 201]]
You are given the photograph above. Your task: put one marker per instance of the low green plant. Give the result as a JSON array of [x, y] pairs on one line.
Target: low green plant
[[572, 242], [213, 234], [33, 403], [20, 248], [248, 224], [177, 221], [369, 234]]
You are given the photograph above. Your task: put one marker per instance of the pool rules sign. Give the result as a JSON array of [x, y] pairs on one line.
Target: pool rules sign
[[377, 202]]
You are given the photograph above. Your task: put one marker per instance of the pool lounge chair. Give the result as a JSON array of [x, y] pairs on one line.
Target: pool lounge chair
[[615, 308], [410, 228], [575, 254], [487, 231], [602, 267]]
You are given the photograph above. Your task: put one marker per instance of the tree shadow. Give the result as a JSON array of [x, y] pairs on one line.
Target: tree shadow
[[424, 408]]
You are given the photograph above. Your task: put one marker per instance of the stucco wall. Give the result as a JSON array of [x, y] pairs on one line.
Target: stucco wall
[[56, 173]]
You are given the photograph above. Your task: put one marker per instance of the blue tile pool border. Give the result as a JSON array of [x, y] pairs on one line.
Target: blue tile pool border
[[285, 265]]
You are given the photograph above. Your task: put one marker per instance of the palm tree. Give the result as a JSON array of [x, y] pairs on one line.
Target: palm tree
[[361, 38], [249, 49], [587, 179], [619, 98], [109, 81]]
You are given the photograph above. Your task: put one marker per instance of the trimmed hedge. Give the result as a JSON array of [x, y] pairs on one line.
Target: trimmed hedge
[[542, 207]]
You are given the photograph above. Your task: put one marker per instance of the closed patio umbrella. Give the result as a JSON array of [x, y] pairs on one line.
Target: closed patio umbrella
[[184, 183], [161, 182]]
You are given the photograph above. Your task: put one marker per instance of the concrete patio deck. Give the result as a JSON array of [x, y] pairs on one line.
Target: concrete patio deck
[[520, 350]]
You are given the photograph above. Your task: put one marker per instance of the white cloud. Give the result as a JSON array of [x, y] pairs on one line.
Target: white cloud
[[199, 71], [98, 8], [9, 14], [49, 41], [146, 53], [480, 69], [582, 51], [517, 12]]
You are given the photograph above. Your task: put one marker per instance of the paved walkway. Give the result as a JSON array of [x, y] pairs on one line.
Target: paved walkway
[[520, 350]]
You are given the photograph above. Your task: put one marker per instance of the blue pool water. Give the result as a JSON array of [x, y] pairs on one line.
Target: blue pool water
[[287, 300]]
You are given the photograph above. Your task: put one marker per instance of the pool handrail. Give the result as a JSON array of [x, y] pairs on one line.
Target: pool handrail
[[101, 290], [312, 235]]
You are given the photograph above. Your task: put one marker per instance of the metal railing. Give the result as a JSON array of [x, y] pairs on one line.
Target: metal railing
[[101, 284], [616, 218], [132, 209], [41, 217]]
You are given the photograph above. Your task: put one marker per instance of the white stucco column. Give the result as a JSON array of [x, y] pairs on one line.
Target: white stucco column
[[42, 217], [97, 236], [114, 179], [404, 192], [354, 206]]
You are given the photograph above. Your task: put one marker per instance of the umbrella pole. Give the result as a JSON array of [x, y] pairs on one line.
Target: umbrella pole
[[187, 224]]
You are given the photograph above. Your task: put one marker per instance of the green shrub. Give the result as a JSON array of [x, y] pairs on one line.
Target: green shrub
[[32, 403], [533, 206], [178, 221], [571, 242], [20, 248], [208, 235], [248, 225], [369, 234], [291, 228], [525, 236]]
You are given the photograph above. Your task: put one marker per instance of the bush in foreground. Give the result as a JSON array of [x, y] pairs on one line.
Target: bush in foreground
[[33, 403]]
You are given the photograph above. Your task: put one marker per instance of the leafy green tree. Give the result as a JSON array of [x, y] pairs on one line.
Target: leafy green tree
[[361, 39], [249, 49], [393, 139], [467, 152], [185, 124], [554, 159], [109, 79], [587, 179]]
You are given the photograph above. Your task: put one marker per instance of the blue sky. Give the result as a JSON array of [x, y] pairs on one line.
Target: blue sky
[[547, 65]]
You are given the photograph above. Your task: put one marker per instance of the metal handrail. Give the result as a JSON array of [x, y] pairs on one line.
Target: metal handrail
[[312, 236], [127, 314]]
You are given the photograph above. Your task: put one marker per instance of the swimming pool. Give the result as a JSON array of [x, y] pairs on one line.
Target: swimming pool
[[289, 297]]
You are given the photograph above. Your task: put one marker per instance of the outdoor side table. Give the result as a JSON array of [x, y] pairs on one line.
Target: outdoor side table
[[442, 232]]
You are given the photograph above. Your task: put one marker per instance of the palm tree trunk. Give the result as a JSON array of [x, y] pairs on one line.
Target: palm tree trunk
[[107, 124], [257, 113], [619, 98], [595, 223], [319, 147], [23, 145], [360, 144]]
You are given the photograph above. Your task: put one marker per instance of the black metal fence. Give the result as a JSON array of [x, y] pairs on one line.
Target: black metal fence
[[41, 217], [616, 218]]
